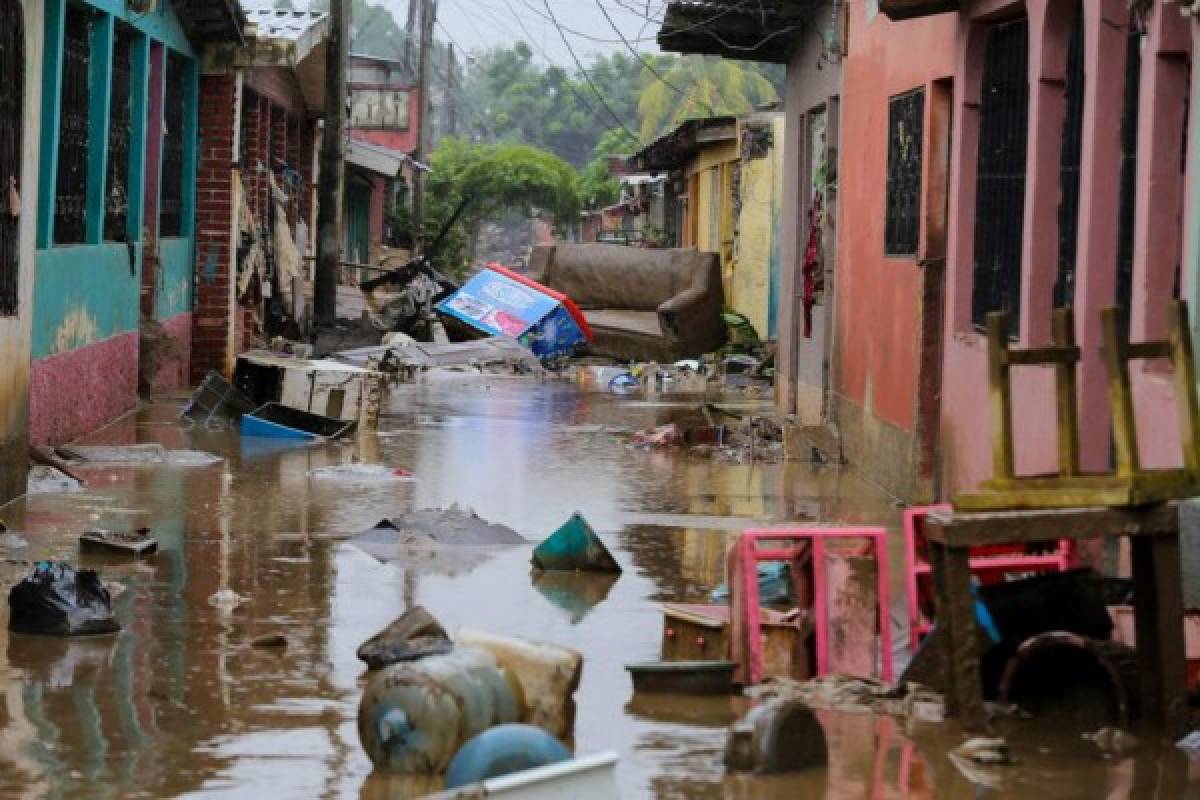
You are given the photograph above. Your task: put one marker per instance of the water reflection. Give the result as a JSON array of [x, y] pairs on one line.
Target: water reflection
[[179, 703]]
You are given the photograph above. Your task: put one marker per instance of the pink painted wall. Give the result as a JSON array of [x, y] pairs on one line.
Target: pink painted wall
[[878, 297], [966, 426], [81, 390]]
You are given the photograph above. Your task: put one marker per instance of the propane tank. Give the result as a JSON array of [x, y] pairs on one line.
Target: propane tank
[[414, 716]]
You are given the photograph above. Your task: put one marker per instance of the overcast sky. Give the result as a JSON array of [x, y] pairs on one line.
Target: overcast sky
[[478, 24]]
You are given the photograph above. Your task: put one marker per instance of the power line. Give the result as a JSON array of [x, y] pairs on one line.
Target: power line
[[646, 63], [585, 75]]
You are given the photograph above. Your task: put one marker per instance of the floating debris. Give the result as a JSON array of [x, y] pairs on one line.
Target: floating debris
[[226, 600]]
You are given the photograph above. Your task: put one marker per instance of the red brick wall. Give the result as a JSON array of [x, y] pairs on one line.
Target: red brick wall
[[214, 220]]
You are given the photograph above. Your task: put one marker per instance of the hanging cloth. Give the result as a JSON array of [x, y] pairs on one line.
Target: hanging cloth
[[814, 277]]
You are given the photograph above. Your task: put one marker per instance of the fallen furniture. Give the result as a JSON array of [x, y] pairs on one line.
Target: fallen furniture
[[855, 649], [1153, 532], [276, 421], [319, 386], [641, 304]]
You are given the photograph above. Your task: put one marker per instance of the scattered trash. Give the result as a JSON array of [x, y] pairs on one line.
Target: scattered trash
[[414, 634], [852, 694], [133, 455], [683, 677], [503, 750], [12, 540], [216, 402], [774, 585], [274, 420], [414, 716], [977, 759], [624, 384], [1113, 742], [48, 480], [226, 600], [574, 546], [591, 777], [499, 302], [135, 543], [448, 527], [362, 473], [1190, 744], [776, 736], [323, 387], [58, 600], [548, 676], [499, 355], [269, 640], [663, 436]]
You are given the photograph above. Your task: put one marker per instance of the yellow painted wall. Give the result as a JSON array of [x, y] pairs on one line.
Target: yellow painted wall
[[711, 174], [761, 187]]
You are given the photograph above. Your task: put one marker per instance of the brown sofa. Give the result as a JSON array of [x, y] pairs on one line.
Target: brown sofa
[[641, 304]]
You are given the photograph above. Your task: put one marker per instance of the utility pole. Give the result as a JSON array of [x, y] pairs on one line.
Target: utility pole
[[451, 100], [409, 24], [428, 15], [333, 166]]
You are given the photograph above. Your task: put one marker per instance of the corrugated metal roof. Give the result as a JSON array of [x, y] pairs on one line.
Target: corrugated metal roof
[[280, 23]]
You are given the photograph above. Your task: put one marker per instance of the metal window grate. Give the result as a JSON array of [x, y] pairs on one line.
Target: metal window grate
[[12, 107], [1068, 172], [1128, 198], [902, 226], [170, 214], [70, 206], [116, 193], [1000, 185]]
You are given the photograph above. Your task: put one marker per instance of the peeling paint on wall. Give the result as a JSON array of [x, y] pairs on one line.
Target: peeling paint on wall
[[78, 329]]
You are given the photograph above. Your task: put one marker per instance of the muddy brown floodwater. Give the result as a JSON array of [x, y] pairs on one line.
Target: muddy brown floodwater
[[179, 703]]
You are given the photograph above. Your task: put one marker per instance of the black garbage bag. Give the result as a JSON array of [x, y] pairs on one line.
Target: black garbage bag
[[58, 601]]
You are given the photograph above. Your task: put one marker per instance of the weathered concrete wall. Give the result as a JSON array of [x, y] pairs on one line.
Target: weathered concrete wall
[[755, 263], [15, 331], [812, 80]]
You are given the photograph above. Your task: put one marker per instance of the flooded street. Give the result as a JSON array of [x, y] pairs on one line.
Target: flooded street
[[180, 704]]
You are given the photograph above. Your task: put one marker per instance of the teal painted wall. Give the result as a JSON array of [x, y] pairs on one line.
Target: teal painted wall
[[83, 294], [173, 295], [88, 293]]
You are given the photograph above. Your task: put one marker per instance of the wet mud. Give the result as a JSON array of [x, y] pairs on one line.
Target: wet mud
[[181, 702]]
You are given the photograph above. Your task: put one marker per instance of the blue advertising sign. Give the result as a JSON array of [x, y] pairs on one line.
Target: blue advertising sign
[[498, 305]]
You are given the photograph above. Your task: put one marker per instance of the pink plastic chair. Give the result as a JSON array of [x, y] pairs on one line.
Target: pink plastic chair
[[745, 594], [987, 564]]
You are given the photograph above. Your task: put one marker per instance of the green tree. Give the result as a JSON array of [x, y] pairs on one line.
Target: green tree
[[498, 178], [597, 188], [700, 86]]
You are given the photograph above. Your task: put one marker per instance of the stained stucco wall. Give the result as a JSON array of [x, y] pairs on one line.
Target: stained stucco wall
[[811, 81], [755, 268], [15, 330]]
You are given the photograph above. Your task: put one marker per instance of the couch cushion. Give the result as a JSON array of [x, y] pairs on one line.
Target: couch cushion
[[644, 323]]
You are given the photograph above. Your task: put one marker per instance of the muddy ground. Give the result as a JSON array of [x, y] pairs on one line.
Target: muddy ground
[[180, 703]]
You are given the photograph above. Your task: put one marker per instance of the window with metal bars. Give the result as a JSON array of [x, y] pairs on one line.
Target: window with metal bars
[[70, 206], [170, 213], [902, 224], [1000, 172], [12, 106], [1068, 171], [1127, 200], [116, 191]]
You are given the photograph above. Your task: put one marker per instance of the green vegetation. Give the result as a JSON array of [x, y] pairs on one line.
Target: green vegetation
[[497, 177]]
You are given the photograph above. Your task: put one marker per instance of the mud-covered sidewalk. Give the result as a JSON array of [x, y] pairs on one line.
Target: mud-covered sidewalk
[[181, 703]]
